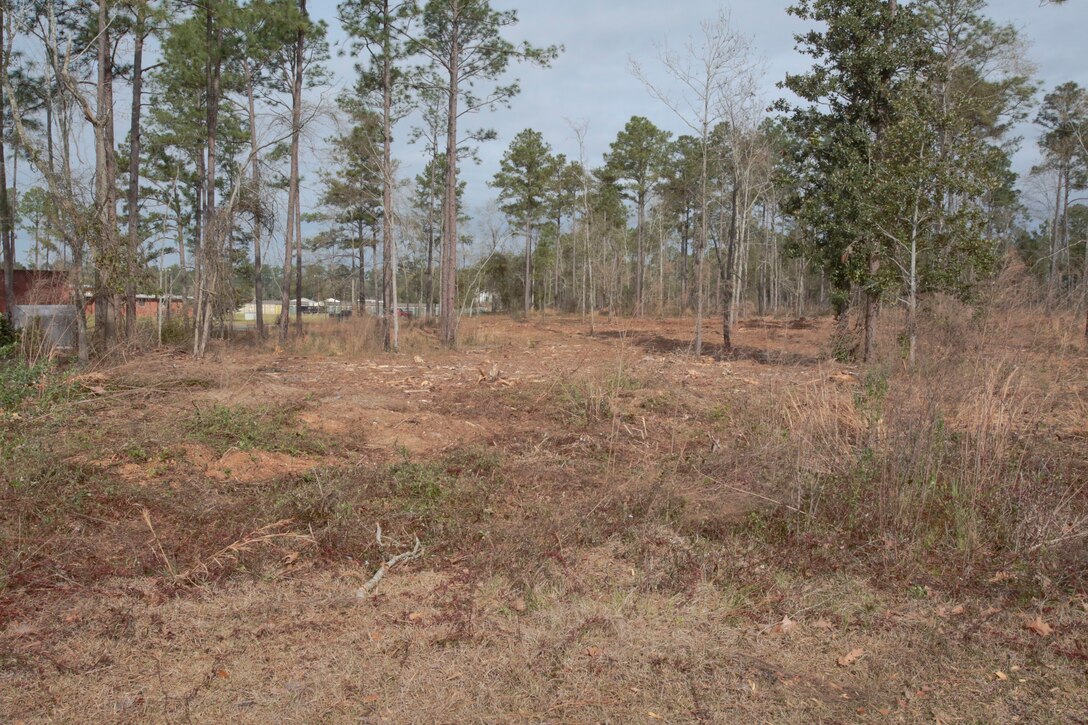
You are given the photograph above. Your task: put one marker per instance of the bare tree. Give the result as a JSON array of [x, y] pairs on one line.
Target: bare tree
[[68, 201], [580, 131], [707, 68]]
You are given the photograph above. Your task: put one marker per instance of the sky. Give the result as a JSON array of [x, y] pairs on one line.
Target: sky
[[591, 82]]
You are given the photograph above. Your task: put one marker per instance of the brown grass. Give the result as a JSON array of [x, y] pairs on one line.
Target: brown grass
[[598, 518], [951, 466]]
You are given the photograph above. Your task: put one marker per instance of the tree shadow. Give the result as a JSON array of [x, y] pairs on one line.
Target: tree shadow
[[658, 344]]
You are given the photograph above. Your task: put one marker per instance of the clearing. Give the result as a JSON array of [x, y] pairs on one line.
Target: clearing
[[612, 530]]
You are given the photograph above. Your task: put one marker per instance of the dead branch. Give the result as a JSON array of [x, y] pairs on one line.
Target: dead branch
[[263, 535], [747, 492], [414, 553]]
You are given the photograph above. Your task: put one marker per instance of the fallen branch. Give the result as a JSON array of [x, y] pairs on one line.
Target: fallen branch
[[265, 534], [745, 491], [414, 553]]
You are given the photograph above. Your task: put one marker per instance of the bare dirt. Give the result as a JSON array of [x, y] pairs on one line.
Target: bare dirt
[[585, 504]]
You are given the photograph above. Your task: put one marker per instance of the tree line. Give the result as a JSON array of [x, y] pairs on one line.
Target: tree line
[[882, 176]]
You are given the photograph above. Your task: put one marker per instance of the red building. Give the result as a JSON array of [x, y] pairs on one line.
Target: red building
[[146, 305], [49, 287], [37, 287]]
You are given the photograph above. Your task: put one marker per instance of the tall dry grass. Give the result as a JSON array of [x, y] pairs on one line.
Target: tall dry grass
[[353, 337], [972, 455], [361, 337]]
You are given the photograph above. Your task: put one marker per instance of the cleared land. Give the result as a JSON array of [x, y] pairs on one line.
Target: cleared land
[[613, 530]]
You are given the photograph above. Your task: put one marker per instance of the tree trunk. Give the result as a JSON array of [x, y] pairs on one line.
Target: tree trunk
[[362, 269], [7, 237], [528, 287], [640, 267], [180, 233], [258, 222], [558, 258], [134, 174], [738, 267], [298, 259], [801, 288], [1064, 244], [105, 176], [296, 113], [292, 189], [429, 287], [374, 268], [1052, 268], [728, 280], [1084, 284], [448, 301], [396, 298], [429, 309], [685, 292], [912, 283], [208, 259], [700, 244], [389, 302]]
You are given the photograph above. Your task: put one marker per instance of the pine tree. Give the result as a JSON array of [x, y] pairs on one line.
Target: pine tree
[[464, 38], [636, 158], [1064, 119], [353, 189], [379, 28], [524, 179], [268, 26], [680, 192]]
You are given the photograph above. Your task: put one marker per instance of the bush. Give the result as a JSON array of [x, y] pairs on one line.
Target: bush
[[175, 331], [9, 338], [23, 383]]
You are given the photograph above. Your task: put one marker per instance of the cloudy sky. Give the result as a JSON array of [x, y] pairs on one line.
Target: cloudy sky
[[591, 82]]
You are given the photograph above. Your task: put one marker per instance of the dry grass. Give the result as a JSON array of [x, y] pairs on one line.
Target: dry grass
[[951, 466], [358, 338], [599, 520]]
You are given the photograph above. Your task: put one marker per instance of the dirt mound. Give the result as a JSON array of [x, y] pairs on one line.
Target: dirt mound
[[256, 466]]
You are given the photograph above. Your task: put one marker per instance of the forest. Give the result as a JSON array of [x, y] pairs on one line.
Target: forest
[[882, 175], [773, 407]]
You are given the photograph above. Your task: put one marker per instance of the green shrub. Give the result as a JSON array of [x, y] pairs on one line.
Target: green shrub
[[251, 428], [9, 338], [23, 383], [175, 331]]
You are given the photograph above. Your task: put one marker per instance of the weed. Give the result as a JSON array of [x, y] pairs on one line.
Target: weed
[[588, 400], [175, 332], [31, 385], [137, 452], [424, 483], [441, 501], [940, 469], [261, 428], [9, 337], [719, 413], [584, 402]]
